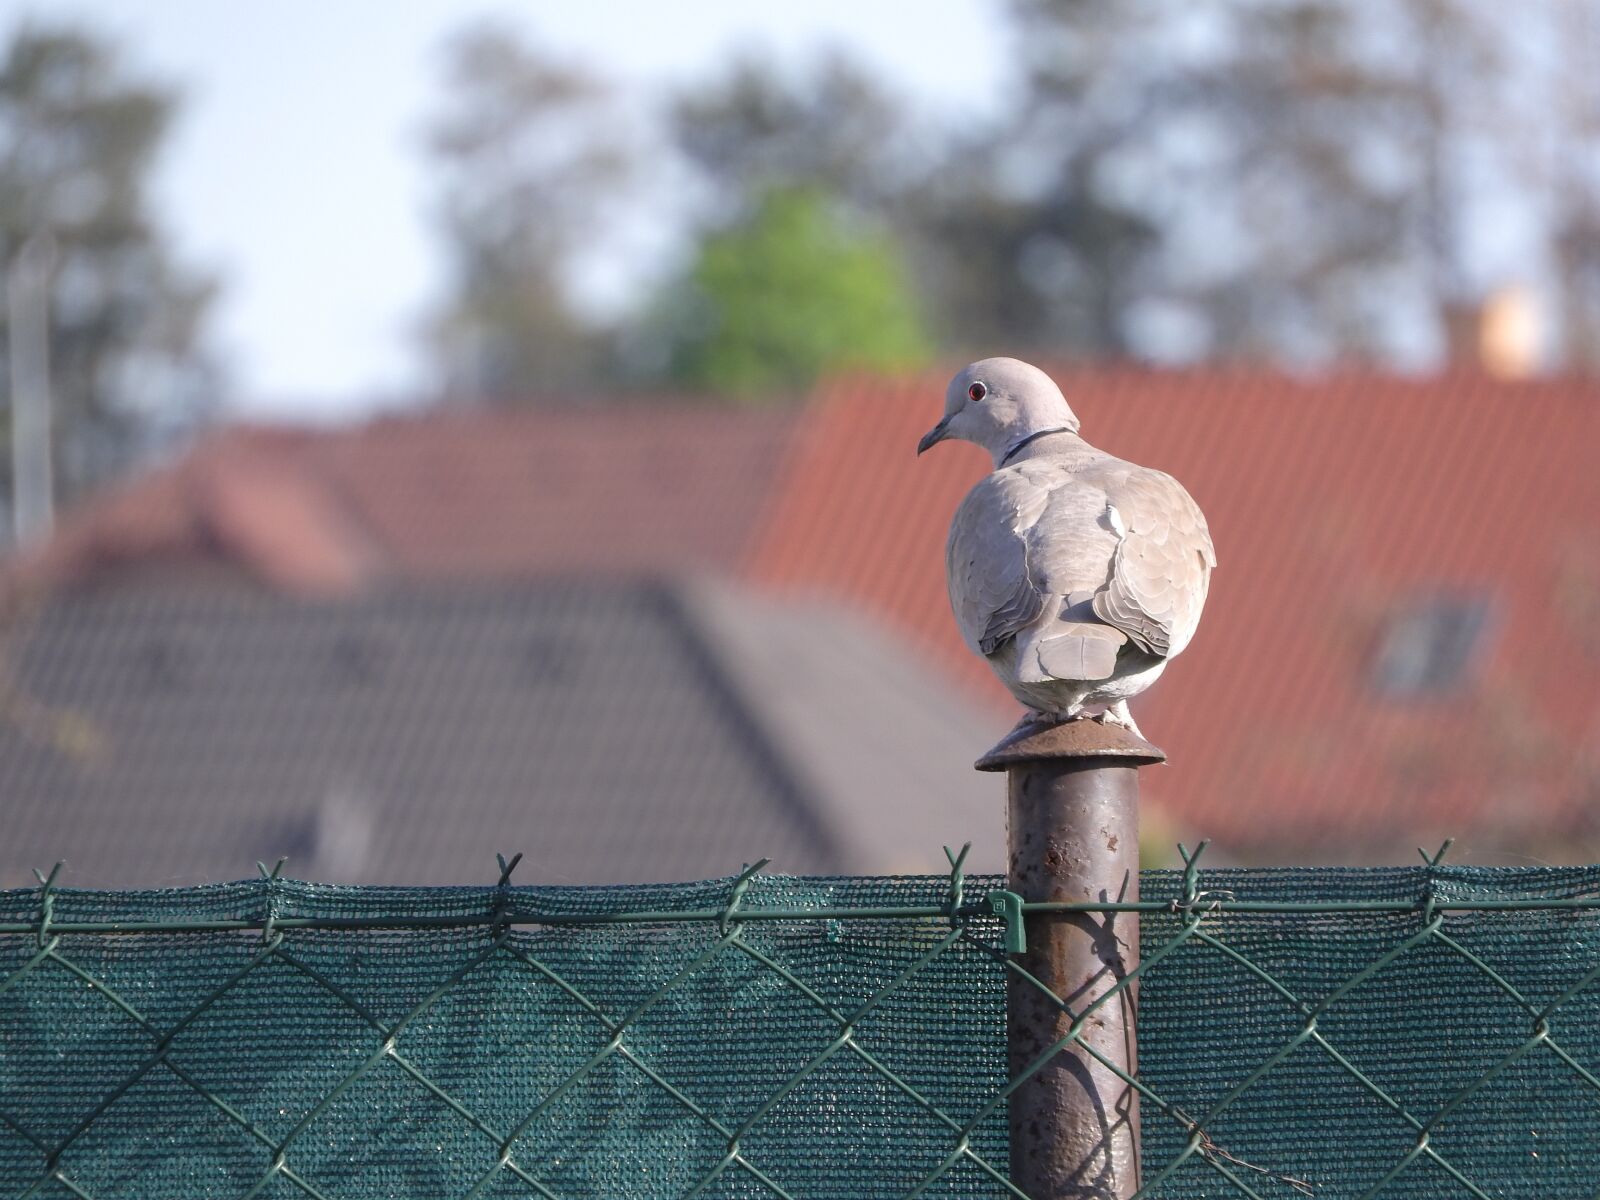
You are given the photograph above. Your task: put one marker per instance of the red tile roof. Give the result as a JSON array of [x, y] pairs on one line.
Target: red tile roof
[[1333, 502], [477, 495]]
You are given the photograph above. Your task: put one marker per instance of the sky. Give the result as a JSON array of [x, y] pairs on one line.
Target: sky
[[296, 174]]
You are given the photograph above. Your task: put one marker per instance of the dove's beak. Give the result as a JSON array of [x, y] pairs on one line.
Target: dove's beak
[[934, 436]]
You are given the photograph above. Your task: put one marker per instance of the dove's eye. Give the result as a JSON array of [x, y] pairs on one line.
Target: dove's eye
[[977, 392]]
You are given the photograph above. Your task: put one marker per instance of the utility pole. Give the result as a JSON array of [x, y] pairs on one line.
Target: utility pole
[[32, 478]]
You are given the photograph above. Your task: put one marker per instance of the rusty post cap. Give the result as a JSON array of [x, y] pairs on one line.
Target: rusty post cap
[[1079, 738]]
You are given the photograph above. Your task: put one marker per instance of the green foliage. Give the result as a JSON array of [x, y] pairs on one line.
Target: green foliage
[[790, 292], [793, 273], [531, 152]]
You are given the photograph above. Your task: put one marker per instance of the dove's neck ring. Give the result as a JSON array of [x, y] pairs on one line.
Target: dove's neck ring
[[1021, 444]]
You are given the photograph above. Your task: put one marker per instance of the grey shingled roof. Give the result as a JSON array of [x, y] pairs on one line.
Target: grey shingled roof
[[604, 729]]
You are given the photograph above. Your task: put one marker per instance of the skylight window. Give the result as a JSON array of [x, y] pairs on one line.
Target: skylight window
[[1430, 647]]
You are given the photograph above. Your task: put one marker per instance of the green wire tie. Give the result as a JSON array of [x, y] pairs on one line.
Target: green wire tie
[[501, 911], [47, 900], [739, 886], [958, 880], [1191, 875], [269, 880], [1430, 891], [1434, 860]]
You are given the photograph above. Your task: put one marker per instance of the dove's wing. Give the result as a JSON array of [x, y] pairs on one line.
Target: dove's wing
[[1036, 533], [1163, 560], [986, 560], [1024, 537]]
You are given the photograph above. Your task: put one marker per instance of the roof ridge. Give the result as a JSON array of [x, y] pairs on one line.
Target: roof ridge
[[321, 551]]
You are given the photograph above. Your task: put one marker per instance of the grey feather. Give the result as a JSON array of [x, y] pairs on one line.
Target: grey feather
[[1086, 652]]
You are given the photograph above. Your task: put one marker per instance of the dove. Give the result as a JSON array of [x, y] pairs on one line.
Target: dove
[[1075, 574]]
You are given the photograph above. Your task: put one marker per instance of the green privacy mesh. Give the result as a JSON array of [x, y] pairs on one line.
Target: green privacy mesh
[[1406, 1033]]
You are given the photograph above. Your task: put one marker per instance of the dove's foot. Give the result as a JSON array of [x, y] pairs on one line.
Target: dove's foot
[[1118, 714], [1034, 718]]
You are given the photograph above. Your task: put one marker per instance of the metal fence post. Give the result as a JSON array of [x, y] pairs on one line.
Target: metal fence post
[[1072, 835]]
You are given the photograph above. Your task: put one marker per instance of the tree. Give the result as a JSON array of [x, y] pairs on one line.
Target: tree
[[1008, 269], [831, 127], [800, 264], [1301, 164], [534, 156], [78, 138], [792, 290], [993, 264]]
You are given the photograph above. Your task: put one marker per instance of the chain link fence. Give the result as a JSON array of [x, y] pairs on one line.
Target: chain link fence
[[1432, 1032]]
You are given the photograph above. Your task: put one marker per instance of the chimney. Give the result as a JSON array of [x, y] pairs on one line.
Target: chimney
[[1510, 337], [1503, 336]]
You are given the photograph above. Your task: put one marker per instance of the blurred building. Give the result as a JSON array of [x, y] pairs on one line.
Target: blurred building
[[610, 731], [656, 643], [392, 651]]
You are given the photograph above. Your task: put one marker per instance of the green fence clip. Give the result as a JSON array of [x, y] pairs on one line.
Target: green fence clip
[[1009, 905]]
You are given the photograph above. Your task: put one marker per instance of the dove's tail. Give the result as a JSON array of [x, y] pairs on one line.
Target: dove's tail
[[1072, 650]]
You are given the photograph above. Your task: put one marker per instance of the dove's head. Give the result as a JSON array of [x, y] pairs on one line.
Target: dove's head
[[998, 403]]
